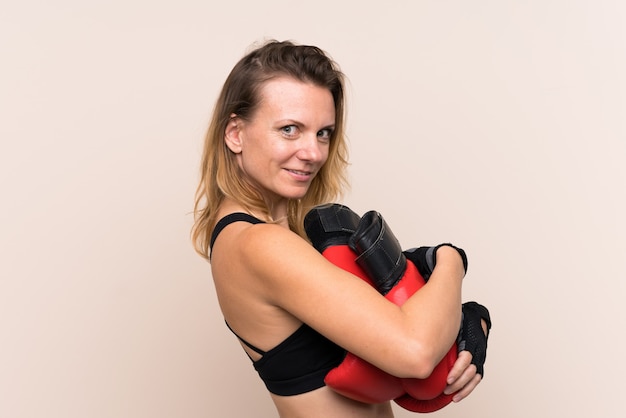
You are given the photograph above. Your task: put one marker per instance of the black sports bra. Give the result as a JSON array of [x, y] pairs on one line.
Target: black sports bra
[[300, 362]]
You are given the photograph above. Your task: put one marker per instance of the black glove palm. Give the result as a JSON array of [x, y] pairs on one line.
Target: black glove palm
[[472, 338]]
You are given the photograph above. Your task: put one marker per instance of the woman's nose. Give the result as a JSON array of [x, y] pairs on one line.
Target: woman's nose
[[311, 149]]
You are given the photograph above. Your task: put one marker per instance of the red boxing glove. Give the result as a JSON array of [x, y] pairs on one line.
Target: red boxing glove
[[397, 279], [329, 228]]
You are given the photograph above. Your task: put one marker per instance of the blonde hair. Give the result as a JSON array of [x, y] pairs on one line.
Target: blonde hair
[[220, 175]]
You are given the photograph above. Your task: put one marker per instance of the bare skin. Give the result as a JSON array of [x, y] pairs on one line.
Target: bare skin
[[326, 403], [279, 281]]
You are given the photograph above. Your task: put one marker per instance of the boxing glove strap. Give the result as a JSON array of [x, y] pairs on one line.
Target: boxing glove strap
[[330, 225], [379, 252]]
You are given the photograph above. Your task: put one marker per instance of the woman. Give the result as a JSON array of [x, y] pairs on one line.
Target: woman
[[276, 148]]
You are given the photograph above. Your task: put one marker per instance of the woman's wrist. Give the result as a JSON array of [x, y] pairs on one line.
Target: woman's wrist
[[451, 257]]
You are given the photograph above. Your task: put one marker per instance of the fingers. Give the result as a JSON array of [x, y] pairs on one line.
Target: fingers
[[460, 365], [462, 379], [467, 389]]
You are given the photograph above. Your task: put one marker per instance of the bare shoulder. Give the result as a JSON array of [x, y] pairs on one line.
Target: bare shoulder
[[275, 267], [264, 251], [277, 255], [274, 242], [285, 267]]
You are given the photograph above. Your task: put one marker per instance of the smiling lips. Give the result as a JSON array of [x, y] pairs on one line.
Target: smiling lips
[[304, 175]]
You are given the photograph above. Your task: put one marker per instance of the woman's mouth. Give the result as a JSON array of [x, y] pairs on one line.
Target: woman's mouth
[[300, 175]]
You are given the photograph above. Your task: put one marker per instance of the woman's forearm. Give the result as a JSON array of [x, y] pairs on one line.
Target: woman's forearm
[[435, 311]]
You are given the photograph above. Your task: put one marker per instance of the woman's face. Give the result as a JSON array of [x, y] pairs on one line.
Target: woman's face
[[284, 145]]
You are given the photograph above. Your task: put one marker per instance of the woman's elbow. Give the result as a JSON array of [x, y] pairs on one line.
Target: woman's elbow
[[418, 362]]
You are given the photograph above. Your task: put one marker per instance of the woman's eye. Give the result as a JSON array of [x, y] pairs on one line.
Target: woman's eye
[[289, 129], [325, 134]]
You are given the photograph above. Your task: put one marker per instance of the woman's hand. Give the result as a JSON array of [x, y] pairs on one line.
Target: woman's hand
[[462, 378]]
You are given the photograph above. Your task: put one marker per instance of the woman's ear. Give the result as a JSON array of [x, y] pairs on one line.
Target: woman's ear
[[232, 134]]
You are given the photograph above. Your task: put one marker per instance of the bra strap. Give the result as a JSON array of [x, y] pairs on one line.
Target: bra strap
[[229, 219], [250, 346]]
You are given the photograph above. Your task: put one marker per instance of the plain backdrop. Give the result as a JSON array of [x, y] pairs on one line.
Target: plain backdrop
[[497, 125]]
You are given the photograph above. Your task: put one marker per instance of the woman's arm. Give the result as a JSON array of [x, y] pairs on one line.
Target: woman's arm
[[406, 341], [435, 310]]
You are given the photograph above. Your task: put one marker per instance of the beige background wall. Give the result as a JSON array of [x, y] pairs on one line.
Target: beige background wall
[[499, 125]]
